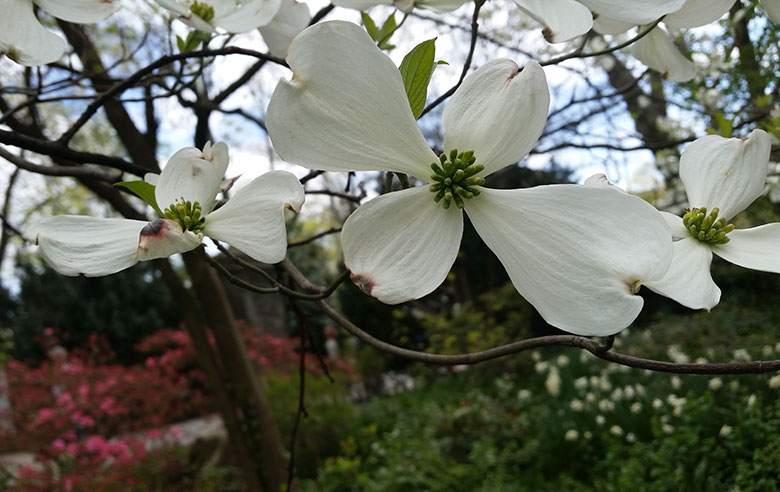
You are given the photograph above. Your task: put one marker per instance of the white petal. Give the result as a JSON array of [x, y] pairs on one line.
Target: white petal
[[290, 20], [345, 108], [562, 19], [405, 6], [197, 22], [24, 39], [605, 25], [152, 178], [163, 238], [728, 173], [633, 11], [577, 253], [218, 155], [657, 51], [697, 13], [361, 4], [247, 16], [601, 180], [188, 177], [440, 5], [772, 8], [80, 11], [688, 280], [676, 225], [757, 248], [253, 220], [78, 245], [175, 6], [400, 246], [498, 113]]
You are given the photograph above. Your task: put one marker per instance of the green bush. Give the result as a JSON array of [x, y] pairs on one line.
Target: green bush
[[560, 419]]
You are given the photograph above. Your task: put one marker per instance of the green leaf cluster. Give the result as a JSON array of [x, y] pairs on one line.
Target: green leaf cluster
[[193, 40], [382, 34]]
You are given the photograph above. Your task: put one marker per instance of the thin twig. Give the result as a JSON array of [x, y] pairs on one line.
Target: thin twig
[[579, 54], [602, 351], [466, 65], [310, 239], [54, 149], [130, 81], [279, 287], [53, 170]]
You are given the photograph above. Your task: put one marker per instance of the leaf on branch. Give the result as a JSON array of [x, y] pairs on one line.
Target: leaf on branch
[[143, 190], [369, 24], [416, 69], [194, 39], [725, 126], [383, 34]]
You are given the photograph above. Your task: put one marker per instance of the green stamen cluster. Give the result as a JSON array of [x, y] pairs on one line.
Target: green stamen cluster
[[453, 178], [202, 10], [705, 227], [187, 214]]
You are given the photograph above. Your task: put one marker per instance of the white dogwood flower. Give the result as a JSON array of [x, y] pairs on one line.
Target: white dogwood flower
[[291, 18], [278, 21], [234, 16], [27, 42], [252, 220], [722, 176], [657, 49], [564, 20], [575, 252]]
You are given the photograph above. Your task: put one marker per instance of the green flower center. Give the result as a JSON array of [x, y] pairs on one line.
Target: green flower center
[[707, 228], [187, 214], [453, 178], [202, 10]]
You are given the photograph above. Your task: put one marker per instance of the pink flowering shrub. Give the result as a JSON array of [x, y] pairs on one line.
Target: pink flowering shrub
[[74, 399], [94, 424], [95, 464]]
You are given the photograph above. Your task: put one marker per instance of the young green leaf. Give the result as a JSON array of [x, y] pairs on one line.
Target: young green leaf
[[386, 32], [369, 24], [416, 69], [143, 190]]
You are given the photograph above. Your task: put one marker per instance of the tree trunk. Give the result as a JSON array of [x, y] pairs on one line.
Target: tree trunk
[[248, 386]]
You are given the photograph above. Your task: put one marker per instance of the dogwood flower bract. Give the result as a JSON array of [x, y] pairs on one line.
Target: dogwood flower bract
[[252, 220], [27, 42], [278, 21], [564, 20], [656, 49], [291, 18], [234, 16], [575, 252], [722, 176]]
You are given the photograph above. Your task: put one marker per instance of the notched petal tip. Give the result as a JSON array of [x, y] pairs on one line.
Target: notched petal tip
[[363, 282], [633, 286]]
